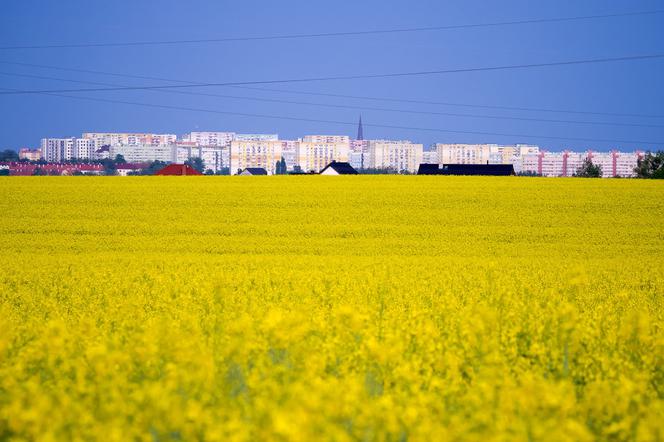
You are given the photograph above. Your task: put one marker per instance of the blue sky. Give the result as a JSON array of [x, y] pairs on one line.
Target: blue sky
[[624, 87]]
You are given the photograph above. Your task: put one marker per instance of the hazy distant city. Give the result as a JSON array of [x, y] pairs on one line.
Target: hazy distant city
[[230, 153]]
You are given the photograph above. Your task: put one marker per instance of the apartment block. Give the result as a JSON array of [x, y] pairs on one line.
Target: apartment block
[[140, 153], [255, 153], [464, 153], [566, 163], [314, 152], [30, 154], [397, 155], [210, 138], [215, 158], [58, 149], [326, 139], [256, 137], [430, 157], [130, 139]]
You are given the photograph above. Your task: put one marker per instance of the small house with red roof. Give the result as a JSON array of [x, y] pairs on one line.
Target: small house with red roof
[[178, 169]]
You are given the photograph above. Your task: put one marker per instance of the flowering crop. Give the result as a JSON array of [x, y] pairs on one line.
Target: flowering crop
[[331, 308]]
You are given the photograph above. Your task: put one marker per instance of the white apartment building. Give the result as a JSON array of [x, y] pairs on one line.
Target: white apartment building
[[141, 153], [84, 148], [256, 137], [359, 152], [566, 163], [464, 153], [616, 163], [397, 155], [356, 159], [328, 139], [289, 152], [315, 154], [130, 139], [30, 154], [430, 157], [210, 138], [255, 153], [214, 157], [58, 149]]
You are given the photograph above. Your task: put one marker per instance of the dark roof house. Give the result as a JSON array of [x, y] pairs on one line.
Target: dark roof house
[[178, 169], [477, 169], [254, 171], [467, 169], [428, 169], [338, 168]]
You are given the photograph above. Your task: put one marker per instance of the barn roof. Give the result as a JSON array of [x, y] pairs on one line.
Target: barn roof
[[466, 169], [255, 171], [178, 169], [342, 168], [428, 169], [477, 169]]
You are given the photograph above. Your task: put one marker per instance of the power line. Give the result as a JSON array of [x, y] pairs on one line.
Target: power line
[[351, 77], [345, 106], [333, 34], [356, 97], [346, 123]]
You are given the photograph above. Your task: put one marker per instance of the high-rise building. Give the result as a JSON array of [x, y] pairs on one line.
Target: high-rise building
[[84, 148], [567, 163], [139, 153], [130, 139], [58, 149], [255, 153], [215, 158], [326, 139], [209, 138], [314, 152], [464, 153], [430, 157], [30, 154], [401, 156], [256, 137]]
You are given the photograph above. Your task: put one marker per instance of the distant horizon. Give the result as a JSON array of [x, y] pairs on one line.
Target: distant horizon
[[426, 147]]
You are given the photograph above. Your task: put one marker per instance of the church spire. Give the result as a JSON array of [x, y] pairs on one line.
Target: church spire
[[360, 134]]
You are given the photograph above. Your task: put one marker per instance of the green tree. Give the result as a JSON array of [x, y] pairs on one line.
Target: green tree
[[589, 170], [153, 167], [651, 165], [197, 163], [4, 172], [281, 168], [8, 155], [109, 166], [209, 172], [119, 159]]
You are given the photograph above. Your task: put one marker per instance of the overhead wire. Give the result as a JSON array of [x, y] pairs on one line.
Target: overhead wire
[[346, 106], [330, 34], [352, 77], [332, 95]]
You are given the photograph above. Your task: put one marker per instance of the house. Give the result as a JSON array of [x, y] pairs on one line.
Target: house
[[428, 169], [254, 171], [125, 169], [467, 169], [178, 169], [338, 168], [477, 169]]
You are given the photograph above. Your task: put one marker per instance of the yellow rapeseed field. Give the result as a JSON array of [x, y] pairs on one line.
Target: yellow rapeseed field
[[331, 308]]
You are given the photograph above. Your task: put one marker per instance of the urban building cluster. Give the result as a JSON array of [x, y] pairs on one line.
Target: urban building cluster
[[233, 152]]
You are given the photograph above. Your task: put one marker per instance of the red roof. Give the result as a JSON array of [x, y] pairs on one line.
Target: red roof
[[178, 169], [26, 169]]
